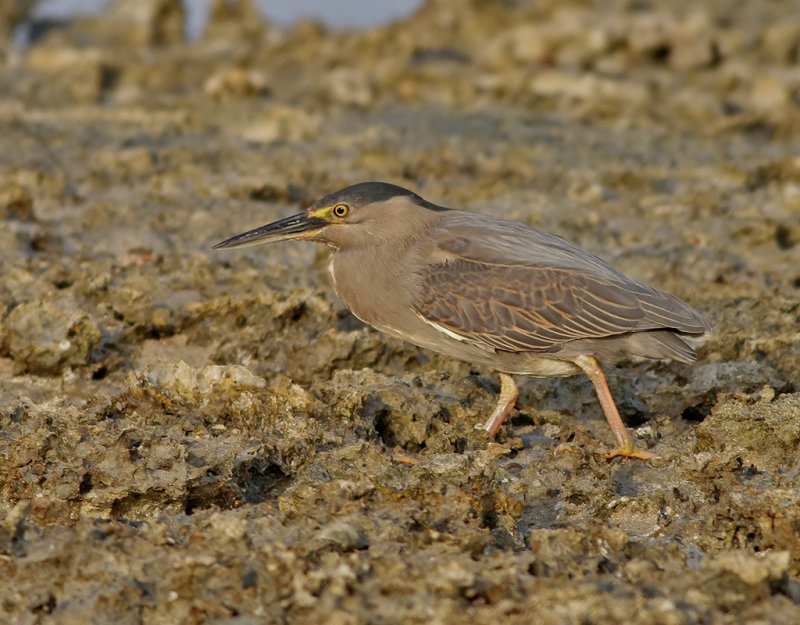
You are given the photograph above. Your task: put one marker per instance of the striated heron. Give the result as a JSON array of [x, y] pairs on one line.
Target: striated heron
[[488, 291]]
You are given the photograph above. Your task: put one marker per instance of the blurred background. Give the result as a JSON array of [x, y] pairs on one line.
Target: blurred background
[[355, 14]]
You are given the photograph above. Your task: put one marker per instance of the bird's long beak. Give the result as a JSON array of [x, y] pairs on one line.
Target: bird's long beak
[[299, 226]]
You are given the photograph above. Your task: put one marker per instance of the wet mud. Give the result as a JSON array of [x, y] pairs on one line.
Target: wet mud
[[190, 436]]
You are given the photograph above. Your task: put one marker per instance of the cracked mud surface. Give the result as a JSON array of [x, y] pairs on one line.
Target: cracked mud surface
[[194, 437]]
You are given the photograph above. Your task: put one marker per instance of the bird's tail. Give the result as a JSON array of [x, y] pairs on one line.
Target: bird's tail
[[663, 344]]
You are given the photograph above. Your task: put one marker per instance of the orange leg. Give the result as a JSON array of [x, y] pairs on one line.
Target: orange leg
[[625, 448], [508, 397]]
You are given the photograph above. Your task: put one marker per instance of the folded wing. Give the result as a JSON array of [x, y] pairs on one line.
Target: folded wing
[[529, 308]]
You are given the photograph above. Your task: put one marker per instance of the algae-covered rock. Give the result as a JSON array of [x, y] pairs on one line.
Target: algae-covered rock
[[764, 434], [44, 338]]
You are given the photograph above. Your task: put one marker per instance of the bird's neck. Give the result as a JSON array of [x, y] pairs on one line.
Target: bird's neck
[[370, 285]]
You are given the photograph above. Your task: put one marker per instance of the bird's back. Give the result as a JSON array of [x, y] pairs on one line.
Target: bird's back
[[508, 286], [489, 239]]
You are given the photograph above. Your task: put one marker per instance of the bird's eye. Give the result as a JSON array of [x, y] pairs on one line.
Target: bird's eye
[[341, 210]]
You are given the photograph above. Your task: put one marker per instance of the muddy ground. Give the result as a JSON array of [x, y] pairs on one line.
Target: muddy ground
[[190, 436]]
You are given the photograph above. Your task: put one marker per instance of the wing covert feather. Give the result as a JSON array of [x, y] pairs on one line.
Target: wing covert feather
[[524, 308]]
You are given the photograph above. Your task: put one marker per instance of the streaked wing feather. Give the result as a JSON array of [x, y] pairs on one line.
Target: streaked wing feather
[[523, 308]]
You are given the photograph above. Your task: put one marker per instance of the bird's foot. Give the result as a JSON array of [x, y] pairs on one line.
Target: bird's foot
[[506, 401], [629, 451]]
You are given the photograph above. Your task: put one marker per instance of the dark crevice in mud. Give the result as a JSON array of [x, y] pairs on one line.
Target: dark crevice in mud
[[787, 389], [149, 332], [461, 445], [697, 413], [210, 492], [259, 480], [521, 419], [45, 607], [660, 54], [633, 411], [134, 445], [296, 314], [490, 519], [539, 569], [443, 415], [109, 77], [253, 481], [100, 373], [86, 484], [785, 237], [381, 415], [604, 565]]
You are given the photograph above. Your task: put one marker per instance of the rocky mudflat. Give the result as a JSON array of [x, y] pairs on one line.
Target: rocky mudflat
[[190, 436]]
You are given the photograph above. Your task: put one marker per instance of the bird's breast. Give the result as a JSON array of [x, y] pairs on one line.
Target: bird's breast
[[377, 292]]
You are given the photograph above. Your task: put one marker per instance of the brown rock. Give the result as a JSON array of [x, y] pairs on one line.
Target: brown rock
[[45, 339]]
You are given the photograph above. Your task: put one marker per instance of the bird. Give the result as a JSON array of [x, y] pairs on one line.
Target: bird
[[490, 291]]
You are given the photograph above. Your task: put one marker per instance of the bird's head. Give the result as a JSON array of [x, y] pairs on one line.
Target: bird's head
[[362, 215]]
